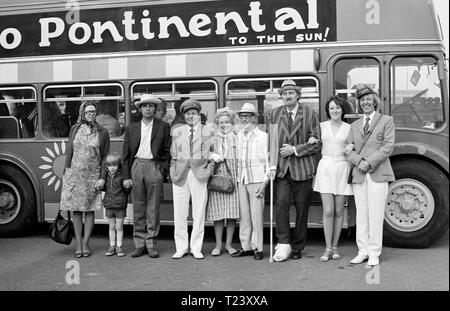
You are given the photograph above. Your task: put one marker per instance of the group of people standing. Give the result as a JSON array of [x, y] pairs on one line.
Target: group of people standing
[[355, 161]]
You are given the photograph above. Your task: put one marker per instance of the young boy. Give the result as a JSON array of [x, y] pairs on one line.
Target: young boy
[[115, 202]]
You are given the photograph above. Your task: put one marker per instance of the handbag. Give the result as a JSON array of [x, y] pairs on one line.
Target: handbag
[[223, 184], [61, 230]]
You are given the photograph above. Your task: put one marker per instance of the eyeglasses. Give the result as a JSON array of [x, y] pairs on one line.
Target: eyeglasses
[[90, 112]]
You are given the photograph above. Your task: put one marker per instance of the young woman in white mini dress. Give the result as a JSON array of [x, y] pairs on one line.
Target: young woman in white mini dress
[[332, 172]]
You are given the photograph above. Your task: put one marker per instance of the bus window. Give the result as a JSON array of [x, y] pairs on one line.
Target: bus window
[[416, 93], [62, 104], [349, 74], [263, 93], [18, 112], [174, 93]]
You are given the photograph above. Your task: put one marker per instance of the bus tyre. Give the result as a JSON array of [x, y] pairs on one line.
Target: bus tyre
[[417, 207], [17, 202]]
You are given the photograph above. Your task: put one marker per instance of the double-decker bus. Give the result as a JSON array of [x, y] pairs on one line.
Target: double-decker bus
[[55, 54]]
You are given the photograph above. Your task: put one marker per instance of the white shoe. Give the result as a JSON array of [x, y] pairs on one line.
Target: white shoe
[[197, 255], [373, 261], [282, 252], [179, 254], [359, 259]]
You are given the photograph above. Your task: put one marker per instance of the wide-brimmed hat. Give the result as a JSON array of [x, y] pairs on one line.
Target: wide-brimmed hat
[[289, 85], [190, 104], [148, 99], [363, 91], [248, 108]]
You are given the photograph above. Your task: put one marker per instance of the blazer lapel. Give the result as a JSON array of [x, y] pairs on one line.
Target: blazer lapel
[[154, 128], [284, 121], [298, 121], [137, 137], [373, 123]]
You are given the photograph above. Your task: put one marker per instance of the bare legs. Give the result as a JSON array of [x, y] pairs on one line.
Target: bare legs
[[218, 230], [83, 242], [78, 228], [333, 217]]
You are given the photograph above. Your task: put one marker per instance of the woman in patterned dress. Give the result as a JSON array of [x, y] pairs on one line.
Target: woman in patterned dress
[[224, 206], [83, 174]]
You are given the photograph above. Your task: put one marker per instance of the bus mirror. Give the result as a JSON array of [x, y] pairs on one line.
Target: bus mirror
[[415, 77]]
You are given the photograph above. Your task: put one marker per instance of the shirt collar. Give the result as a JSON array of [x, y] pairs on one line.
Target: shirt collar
[[370, 116], [294, 111], [147, 125], [195, 128]]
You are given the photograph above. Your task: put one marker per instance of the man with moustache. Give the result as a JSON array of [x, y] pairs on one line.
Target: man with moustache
[[146, 152], [295, 138]]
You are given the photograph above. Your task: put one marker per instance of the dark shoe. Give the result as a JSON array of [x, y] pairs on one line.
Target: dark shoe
[[296, 254], [153, 253], [138, 252], [258, 255], [242, 253]]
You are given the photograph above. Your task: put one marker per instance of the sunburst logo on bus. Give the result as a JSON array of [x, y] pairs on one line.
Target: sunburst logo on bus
[[54, 164]]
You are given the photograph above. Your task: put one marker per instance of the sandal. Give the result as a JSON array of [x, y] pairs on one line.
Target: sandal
[[326, 255], [335, 254], [78, 254], [231, 251], [216, 252]]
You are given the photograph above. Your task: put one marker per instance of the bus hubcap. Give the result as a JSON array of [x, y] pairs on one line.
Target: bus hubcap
[[410, 205], [9, 201]]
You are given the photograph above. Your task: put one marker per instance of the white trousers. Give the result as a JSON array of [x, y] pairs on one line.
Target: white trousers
[[181, 194], [251, 212], [370, 200]]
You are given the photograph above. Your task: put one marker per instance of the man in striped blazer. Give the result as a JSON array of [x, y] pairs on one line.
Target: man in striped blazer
[[294, 139]]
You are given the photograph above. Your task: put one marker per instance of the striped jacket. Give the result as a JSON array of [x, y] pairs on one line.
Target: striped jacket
[[253, 160], [305, 125]]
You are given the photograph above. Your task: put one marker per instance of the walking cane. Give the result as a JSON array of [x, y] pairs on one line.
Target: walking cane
[[271, 220]]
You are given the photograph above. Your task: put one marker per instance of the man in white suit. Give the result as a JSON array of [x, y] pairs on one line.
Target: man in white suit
[[371, 140], [189, 172]]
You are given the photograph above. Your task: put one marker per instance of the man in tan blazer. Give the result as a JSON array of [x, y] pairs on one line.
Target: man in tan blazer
[[371, 140], [189, 171]]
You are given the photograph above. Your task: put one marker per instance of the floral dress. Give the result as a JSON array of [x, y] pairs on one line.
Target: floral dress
[[224, 205], [78, 191]]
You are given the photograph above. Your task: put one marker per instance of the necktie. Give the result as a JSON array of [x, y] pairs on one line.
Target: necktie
[[290, 122], [366, 125], [191, 139]]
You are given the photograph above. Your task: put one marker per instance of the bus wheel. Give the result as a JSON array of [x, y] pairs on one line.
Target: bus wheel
[[17, 202], [416, 212]]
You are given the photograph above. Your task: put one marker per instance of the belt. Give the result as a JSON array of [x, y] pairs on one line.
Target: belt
[[334, 158]]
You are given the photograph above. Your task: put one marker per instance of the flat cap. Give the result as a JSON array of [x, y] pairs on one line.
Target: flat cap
[[190, 104], [148, 99], [364, 91]]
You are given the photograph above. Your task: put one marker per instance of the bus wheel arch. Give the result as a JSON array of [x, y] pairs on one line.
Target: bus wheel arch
[[417, 212], [18, 212]]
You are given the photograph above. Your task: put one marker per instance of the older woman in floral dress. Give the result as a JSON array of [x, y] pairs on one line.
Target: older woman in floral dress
[[83, 174], [224, 206]]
